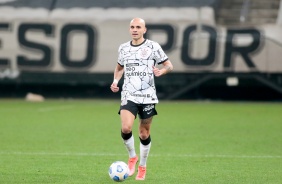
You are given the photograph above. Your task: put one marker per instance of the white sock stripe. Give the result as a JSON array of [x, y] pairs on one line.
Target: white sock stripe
[[151, 155]]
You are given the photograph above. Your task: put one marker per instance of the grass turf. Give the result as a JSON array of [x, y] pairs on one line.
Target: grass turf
[[75, 141]]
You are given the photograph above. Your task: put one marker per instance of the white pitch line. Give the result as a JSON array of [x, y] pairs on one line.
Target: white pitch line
[[225, 156], [151, 155], [60, 154]]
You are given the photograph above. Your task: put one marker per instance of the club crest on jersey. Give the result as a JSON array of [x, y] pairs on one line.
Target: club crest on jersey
[[144, 53]]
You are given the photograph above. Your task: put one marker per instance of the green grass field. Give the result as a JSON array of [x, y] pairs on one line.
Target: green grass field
[[75, 141]]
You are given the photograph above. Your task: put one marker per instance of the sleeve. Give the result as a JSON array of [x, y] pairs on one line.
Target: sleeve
[[160, 55], [120, 54]]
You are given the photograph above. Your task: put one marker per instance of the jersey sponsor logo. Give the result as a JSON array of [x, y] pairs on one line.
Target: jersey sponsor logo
[[132, 71], [140, 95], [132, 64], [136, 74]]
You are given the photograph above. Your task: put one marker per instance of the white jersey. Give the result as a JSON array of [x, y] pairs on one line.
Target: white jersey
[[138, 62]]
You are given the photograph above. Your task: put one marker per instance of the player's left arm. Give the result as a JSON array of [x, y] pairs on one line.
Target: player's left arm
[[167, 67]]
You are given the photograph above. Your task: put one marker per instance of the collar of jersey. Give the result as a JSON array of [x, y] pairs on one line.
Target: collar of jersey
[[138, 44]]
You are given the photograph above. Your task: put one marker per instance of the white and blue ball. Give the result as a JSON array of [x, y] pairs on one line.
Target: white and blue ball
[[119, 171]]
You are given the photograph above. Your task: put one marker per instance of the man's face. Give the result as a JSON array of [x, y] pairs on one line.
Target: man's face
[[137, 29]]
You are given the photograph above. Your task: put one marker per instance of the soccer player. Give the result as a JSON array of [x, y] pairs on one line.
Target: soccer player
[[137, 62]]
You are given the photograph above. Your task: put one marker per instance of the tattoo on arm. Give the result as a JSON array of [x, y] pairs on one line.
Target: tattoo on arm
[[168, 68]]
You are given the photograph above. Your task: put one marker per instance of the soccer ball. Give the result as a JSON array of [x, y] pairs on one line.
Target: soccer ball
[[118, 171]]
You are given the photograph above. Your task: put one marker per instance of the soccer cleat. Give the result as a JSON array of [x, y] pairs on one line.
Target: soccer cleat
[[141, 173], [131, 165]]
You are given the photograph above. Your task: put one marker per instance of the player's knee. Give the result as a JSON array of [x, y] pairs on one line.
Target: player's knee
[[126, 129], [144, 132], [144, 135]]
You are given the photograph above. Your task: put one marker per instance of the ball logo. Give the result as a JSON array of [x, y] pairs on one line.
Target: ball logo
[[119, 168]]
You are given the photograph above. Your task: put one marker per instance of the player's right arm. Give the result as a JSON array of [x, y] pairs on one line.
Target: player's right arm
[[117, 76]]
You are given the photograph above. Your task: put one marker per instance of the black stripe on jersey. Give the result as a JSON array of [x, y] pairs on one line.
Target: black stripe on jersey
[[163, 61], [121, 65]]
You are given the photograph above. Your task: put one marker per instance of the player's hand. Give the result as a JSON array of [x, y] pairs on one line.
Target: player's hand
[[114, 87], [157, 72]]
